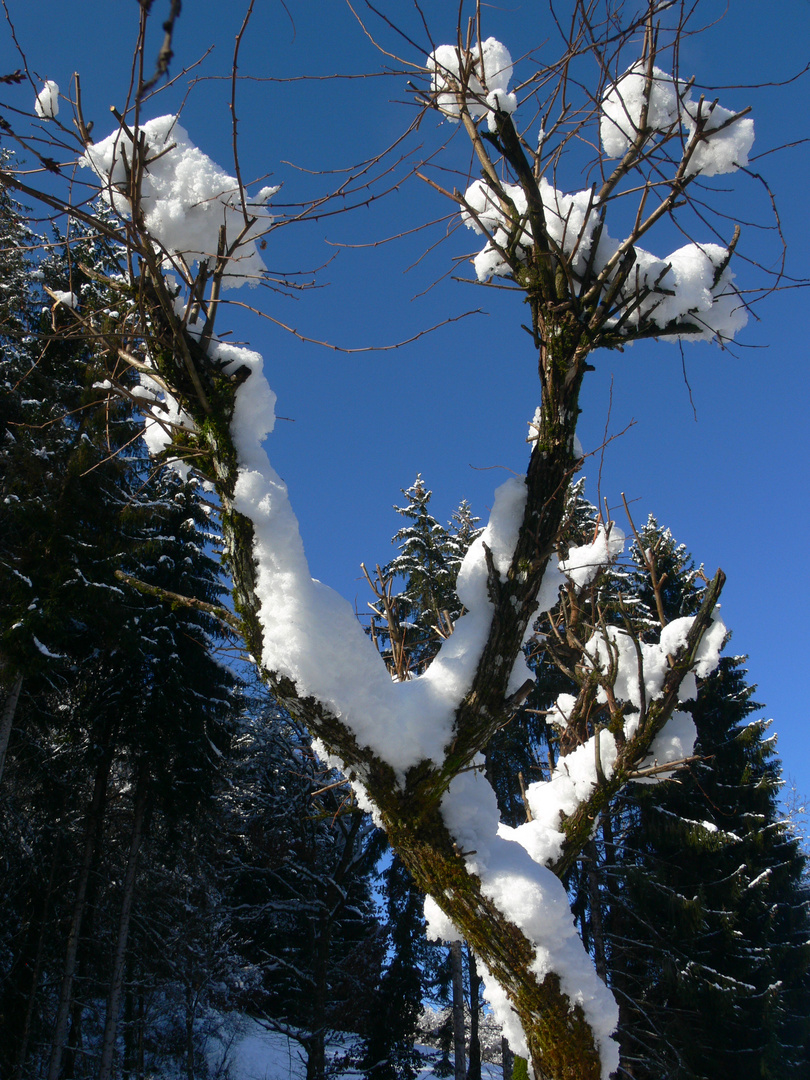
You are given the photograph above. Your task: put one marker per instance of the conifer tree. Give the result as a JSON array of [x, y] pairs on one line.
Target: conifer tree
[[693, 900], [296, 864], [409, 626], [706, 917], [121, 697]]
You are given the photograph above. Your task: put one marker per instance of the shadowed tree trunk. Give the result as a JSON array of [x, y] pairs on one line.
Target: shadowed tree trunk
[[94, 822], [7, 719], [474, 1066], [127, 898], [459, 1027]]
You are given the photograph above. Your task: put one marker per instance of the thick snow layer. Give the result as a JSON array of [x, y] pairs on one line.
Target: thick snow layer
[[622, 107], [691, 286], [535, 900], [67, 299], [572, 783], [489, 72], [728, 144], [185, 196], [438, 926], [569, 221], [674, 742], [47, 102]]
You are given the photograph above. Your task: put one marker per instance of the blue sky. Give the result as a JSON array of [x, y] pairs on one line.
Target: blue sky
[[730, 478]]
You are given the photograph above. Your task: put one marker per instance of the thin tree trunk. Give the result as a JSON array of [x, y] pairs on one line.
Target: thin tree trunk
[[35, 971], [129, 1033], [141, 1061], [7, 721], [190, 1010], [92, 830], [119, 960], [457, 972], [474, 1066], [616, 925], [74, 1040], [595, 904]]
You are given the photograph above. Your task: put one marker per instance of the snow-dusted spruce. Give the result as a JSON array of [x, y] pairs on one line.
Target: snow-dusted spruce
[[411, 747]]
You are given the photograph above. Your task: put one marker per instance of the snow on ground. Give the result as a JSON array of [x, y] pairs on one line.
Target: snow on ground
[[245, 1050]]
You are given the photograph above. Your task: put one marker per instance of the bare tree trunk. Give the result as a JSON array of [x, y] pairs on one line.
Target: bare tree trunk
[[595, 905], [618, 930], [119, 960], [141, 1056], [190, 1009], [95, 816], [474, 1066], [457, 971], [7, 721]]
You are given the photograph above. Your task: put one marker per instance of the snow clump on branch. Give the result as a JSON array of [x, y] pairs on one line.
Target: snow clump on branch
[[724, 138], [46, 105], [584, 563], [689, 294], [185, 197], [534, 899], [480, 79]]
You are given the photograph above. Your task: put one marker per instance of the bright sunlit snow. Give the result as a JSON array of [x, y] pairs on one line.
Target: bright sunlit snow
[[47, 101], [186, 198], [487, 70], [311, 635]]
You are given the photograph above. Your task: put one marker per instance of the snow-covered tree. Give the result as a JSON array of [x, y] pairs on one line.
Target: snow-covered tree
[[409, 623], [581, 262]]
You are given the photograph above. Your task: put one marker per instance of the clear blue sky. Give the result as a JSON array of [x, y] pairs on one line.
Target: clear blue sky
[[732, 483]]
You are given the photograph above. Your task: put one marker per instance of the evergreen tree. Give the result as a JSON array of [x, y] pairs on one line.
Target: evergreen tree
[[122, 700], [409, 625], [707, 919], [692, 897], [297, 863]]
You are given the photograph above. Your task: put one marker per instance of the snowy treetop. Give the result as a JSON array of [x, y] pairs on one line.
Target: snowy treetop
[[688, 294]]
